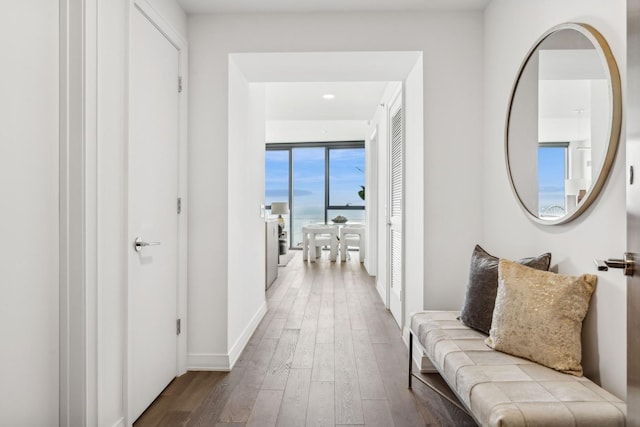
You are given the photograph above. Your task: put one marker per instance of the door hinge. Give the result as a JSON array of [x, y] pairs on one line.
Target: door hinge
[[179, 84], [178, 327], [179, 205]]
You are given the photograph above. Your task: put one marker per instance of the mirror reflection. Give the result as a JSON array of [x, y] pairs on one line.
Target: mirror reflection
[[560, 124]]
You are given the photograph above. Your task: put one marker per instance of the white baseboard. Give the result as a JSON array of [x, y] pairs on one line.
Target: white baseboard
[[370, 267], [119, 423], [244, 338], [208, 362], [382, 292], [224, 362]]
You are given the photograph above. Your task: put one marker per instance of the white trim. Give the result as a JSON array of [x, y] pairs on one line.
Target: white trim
[[91, 209], [126, 382], [119, 423], [403, 229], [208, 362], [244, 338], [371, 201], [78, 213], [383, 293], [161, 24], [183, 191], [144, 7], [67, 58]]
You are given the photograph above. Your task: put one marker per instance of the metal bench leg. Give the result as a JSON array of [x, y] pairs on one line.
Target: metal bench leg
[[435, 389], [410, 356]]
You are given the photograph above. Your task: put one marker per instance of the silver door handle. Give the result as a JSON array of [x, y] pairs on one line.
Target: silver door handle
[[138, 244], [625, 263]]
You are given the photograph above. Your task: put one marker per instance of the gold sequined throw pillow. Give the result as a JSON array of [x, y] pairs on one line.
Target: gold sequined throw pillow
[[538, 315]]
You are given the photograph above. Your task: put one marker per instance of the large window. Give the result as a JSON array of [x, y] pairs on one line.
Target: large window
[[308, 189], [277, 180], [346, 176], [319, 180]]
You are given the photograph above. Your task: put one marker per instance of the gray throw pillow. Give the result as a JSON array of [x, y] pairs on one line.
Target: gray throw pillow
[[482, 288]]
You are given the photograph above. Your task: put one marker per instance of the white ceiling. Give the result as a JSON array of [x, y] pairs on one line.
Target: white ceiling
[[303, 100], [296, 81], [305, 6]]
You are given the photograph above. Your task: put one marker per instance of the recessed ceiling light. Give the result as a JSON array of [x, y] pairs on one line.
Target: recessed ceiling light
[[328, 96]]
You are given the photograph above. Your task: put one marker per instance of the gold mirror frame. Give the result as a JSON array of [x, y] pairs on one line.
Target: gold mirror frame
[[615, 101]]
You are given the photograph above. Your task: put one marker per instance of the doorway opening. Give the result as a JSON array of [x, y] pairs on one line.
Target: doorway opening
[[250, 77]]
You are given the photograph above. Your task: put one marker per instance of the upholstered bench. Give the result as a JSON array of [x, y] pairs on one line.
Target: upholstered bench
[[497, 389]]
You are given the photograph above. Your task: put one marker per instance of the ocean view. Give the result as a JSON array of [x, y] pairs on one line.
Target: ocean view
[[315, 172]]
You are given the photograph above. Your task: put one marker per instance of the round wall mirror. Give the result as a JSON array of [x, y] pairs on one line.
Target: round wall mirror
[[563, 123]]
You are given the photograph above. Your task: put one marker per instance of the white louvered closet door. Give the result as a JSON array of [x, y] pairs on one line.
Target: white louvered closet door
[[396, 204]]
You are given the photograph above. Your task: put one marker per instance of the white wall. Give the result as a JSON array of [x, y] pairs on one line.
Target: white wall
[[315, 130], [414, 194], [246, 271], [453, 192], [29, 226], [511, 27], [208, 191], [453, 86]]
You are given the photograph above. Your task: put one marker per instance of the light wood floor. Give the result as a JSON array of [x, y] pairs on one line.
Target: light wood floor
[[327, 353]]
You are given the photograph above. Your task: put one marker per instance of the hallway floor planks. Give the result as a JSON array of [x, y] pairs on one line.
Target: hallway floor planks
[[327, 353]]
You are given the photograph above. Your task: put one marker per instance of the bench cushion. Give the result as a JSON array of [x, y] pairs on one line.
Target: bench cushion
[[504, 390]]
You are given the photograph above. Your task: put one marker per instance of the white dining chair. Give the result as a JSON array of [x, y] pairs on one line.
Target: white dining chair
[[317, 236], [352, 235]]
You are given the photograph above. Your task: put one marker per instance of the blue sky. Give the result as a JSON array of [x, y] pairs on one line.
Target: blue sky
[[346, 176]]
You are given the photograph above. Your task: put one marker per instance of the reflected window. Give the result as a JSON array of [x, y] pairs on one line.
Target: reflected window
[[552, 173]]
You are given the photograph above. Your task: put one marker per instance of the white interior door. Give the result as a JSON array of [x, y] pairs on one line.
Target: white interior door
[[396, 207], [633, 212], [633, 254], [153, 186]]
